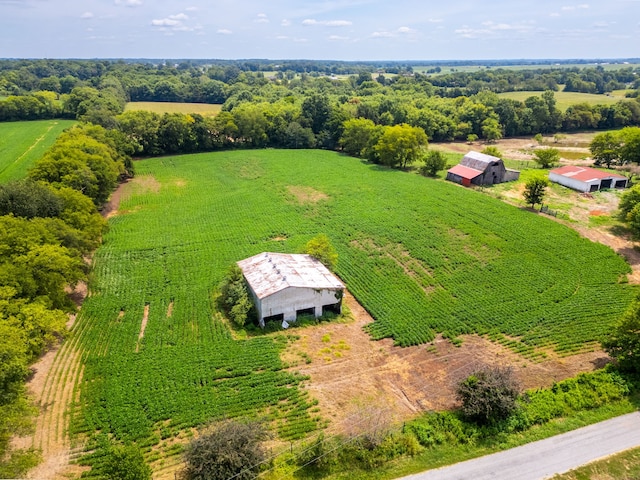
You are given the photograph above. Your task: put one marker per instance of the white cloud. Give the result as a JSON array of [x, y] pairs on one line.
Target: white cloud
[[174, 23], [262, 18], [129, 3], [337, 38], [571, 8], [285, 23], [86, 15], [224, 31], [191, 9], [328, 23], [406, 30], [383, 34]]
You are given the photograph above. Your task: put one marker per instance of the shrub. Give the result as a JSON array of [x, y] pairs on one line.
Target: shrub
[[234, 296], [225, 450], [488, 395], [125, 462]]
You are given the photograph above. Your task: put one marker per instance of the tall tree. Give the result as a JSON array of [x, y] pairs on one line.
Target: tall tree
[[623, 343], [534, 190], [400, 145], [546, 157]]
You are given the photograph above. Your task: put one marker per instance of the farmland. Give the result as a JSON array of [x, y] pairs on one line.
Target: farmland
[[566, 99], [422, 256], [21, 143], [204, 109]]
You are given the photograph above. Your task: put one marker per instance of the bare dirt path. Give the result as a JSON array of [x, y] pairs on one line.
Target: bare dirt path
[[53, 387]]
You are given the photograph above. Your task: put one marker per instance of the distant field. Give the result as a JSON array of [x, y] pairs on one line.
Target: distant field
[[22, 143], [476, 68], [566, 99], [205, 109]]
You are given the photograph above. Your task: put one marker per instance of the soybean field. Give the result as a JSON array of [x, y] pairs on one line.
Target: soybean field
[[22, 143], [423, 256]]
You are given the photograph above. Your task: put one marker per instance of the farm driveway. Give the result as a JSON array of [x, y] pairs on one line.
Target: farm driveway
[[545, 458]]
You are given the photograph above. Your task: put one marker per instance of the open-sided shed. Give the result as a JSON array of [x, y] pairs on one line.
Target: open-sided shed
[[284, 286], [585, 179]]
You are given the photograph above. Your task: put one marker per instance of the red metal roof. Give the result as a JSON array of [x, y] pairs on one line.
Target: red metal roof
[[465, 172], [584, 174]]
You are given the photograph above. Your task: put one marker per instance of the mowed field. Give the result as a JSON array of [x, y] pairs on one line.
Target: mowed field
[[204, 109], [421, 255], [566, 99], [22, 143]]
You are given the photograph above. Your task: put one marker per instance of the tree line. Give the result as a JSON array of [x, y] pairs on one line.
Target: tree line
[[48, 223], [448, 106]]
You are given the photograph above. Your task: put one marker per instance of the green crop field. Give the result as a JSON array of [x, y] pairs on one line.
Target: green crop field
[[22, 143], [422, 255], [204, 109], [566, 99]]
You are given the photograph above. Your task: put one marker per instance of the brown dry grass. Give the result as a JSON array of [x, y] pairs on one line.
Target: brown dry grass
[[304, 195], [348, 369]]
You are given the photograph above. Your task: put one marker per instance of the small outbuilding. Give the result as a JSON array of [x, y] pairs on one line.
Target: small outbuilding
[[477, 168], [585, 179], [285, 286]]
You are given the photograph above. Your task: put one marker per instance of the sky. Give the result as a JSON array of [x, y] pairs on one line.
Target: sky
[[318, 29]]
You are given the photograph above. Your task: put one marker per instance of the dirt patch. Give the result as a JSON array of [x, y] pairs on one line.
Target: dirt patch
[[110, 208], [143, 325], [348, 369], [305, 195]]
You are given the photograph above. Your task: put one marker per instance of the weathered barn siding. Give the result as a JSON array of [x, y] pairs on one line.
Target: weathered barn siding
[[480, 169]]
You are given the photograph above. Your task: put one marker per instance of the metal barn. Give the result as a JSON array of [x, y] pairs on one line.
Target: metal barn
[[585, 179], [480, 169], [284, 286]]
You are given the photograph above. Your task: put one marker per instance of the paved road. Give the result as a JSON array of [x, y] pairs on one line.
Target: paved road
[[545, 458]]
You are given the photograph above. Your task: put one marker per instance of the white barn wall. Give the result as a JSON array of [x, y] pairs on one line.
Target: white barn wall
[[572, 182], [292, 299]]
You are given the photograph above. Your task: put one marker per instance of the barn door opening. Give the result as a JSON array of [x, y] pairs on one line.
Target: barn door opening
[[306, 312], [334, 308]]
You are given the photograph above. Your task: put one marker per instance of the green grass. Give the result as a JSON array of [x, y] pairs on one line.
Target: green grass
[[22, 143], [566, 99], [422, 255], [204, 109], [623, 466], [444, 455]]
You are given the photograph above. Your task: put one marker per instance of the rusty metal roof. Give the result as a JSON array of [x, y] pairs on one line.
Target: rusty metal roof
[[585, 174], [268, 273], [478, 161]]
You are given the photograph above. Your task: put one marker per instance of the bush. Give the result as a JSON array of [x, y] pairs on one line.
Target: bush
[[225, 450], [234, 297], [125, 462], [434, 161], [488, 395]]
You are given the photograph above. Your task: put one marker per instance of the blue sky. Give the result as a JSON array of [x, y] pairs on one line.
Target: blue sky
[[334, 29]]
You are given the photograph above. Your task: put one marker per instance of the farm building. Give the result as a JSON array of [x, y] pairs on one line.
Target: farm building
[[480, 169], [284, 286], [585, 179]]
